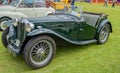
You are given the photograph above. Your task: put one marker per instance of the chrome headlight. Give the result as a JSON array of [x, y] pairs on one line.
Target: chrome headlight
[[28, 25], [15, 21]]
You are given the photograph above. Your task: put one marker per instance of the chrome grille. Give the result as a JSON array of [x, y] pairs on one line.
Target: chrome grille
[[21, 32]]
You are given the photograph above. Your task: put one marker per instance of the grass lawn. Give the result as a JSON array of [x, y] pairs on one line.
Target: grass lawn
[[90, 58]]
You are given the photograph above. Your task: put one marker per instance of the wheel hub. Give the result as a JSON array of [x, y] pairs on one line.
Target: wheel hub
[[40, 51], [3, 26], [104, 33]]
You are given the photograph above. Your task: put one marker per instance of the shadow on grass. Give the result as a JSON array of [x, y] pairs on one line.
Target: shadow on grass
[[67, 49], [18, 63]]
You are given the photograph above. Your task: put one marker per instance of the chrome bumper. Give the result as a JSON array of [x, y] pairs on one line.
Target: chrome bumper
[[14, 51]]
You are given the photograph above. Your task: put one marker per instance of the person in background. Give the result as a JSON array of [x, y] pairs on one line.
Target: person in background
[[73, 8], [9, 1], [56, 0], [1, 1], [113, 3], [72, 5], [29, 3], [105, 3], [13, 2], [5, 2], [47, 2]]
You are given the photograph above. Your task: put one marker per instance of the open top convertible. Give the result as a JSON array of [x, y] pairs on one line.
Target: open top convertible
[[36, 38]]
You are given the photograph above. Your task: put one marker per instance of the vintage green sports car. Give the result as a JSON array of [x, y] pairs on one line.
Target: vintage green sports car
[[36, 38]]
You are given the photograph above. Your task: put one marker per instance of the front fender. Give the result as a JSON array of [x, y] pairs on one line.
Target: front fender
[[12, 14], [42, 31]]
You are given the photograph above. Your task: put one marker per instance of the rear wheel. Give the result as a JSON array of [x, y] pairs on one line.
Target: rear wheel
[[39, 51], [103, 34], [2, 23], [4, 37]]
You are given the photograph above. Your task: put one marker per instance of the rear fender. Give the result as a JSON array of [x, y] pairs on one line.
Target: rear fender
[[104, 23]]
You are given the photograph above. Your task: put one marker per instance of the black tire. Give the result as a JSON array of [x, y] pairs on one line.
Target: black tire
[[39, 51], [2, 21], [103, 34], [4, 37]]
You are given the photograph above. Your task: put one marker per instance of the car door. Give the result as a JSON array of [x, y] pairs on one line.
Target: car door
[[26, 7], [63, 25], [40, 8], [86, 31]]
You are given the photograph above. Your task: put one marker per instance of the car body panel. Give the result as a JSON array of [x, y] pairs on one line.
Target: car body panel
[[7, 8], [12, 15], [42, 31], [30, 12], [68, 27]]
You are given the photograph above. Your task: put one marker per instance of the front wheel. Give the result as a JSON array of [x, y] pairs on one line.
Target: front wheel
[[103, 34], [39, 51], [4, 37]]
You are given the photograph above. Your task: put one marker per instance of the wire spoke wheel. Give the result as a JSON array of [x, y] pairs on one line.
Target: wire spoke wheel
[[104, 34], [41, 51]]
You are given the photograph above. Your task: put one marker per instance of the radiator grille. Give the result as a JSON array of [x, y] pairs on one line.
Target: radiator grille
[[21, 32]]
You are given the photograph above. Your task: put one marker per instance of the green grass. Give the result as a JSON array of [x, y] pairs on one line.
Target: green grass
[[90, 58]]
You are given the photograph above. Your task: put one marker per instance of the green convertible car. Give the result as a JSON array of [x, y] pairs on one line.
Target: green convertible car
[[36, 38]]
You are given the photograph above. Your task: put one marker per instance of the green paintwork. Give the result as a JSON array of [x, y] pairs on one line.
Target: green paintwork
[[73, 29]]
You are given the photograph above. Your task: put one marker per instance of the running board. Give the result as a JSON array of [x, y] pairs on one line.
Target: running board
[[83, 42]]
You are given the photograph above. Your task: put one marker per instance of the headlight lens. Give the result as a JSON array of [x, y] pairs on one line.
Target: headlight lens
[[15, 21], [28, 25]]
